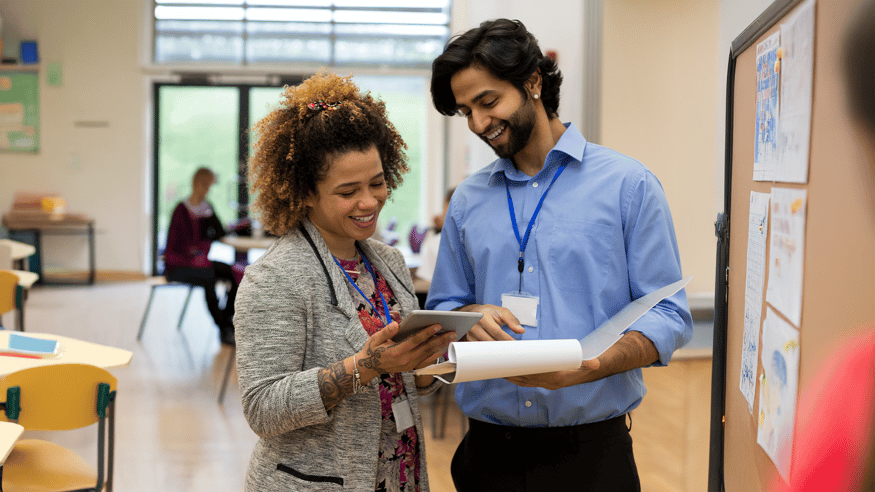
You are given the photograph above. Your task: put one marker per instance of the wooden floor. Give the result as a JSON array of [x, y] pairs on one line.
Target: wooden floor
[[171, 433]]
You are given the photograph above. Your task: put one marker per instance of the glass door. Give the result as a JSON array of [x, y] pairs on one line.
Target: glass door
[[203, 125], [208, 125]]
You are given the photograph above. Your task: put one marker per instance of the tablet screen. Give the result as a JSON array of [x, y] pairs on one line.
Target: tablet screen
[[457, 321]]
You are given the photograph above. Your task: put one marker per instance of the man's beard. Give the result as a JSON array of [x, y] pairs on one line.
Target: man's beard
[[519, 129]]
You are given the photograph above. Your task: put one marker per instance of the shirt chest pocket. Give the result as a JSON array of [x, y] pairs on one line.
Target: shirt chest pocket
[[581, 254]]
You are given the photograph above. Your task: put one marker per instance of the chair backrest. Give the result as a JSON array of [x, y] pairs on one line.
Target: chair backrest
[[8, 287], [5, 256], [58, 396]]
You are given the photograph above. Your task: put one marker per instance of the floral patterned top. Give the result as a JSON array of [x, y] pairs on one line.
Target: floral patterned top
[[398, 460]]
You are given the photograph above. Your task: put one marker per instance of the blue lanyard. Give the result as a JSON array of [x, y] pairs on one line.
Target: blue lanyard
[[525, 240], [376, 288]]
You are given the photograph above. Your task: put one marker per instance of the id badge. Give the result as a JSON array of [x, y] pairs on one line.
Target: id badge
[[403, 415], [523, 306]]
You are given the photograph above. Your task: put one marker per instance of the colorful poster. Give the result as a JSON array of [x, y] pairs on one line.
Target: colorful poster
[[786, 252], [767, 99], [758, 231], [778, 383], [19, 111]]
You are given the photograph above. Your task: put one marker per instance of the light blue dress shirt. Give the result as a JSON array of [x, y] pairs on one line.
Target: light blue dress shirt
[[604, 237]]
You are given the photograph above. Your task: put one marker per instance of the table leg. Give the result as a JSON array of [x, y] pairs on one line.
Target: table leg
[[91, 253]]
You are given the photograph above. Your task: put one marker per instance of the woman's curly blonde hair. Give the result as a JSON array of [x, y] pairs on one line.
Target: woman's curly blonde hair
[[323, 116]]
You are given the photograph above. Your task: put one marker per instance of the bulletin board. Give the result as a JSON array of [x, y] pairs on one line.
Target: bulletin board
[[19, 111], [837, 273]]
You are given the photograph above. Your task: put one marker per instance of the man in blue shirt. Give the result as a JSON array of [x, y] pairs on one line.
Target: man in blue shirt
[[549, 241]]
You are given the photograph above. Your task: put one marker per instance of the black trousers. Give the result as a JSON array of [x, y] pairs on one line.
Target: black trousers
[[588, 457], [223, 312]]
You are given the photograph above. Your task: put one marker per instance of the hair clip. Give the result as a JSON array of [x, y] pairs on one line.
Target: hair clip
[[320, 105]]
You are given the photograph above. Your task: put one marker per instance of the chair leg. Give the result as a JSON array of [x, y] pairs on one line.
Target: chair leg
[[227, 376], [445, 406], [146, 313], [111, 447], [20, 298], [435, 401], [101, 450], [184, 307]]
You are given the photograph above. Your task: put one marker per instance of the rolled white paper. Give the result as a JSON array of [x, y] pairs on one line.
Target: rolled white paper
[[473, 361]]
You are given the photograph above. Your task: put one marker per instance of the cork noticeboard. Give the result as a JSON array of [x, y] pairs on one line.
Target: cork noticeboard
[[838, 281]]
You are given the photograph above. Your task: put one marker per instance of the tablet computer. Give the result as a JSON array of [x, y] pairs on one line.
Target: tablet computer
[[457, 321], [26, 345]]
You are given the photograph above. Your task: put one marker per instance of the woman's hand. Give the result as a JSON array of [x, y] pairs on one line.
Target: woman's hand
[[381, 355]]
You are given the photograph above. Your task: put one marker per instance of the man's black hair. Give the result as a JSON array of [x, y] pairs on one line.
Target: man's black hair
[[508, 51]]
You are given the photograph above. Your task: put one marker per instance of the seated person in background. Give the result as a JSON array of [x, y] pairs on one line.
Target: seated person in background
[[430, 244], [193, 228]]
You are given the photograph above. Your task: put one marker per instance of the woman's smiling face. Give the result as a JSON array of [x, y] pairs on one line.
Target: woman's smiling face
[[347, 202]]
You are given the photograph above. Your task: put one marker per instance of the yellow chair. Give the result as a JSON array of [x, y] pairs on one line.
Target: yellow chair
[[52, 398], [9, 293]]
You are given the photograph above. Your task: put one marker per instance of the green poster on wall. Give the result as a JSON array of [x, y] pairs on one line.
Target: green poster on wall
[[19, 112]]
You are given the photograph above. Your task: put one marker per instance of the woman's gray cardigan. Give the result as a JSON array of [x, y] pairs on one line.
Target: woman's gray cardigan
[[295, 316]]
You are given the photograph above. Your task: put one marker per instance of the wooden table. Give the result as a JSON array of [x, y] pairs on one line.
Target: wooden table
[[242, 245], [9, 434], [39, 224], [19, 252], [72, 351]]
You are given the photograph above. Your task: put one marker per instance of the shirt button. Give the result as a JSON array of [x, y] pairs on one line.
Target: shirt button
[[531, 269], [535, 184], [528, 404]]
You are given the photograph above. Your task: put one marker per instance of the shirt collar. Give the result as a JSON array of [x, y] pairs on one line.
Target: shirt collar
[[568, 149]]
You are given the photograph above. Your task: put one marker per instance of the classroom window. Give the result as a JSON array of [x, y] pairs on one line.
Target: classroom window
[[206, 125], [409, 33]]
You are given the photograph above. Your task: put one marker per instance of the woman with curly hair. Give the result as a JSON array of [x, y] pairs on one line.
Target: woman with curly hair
[[329, 393]]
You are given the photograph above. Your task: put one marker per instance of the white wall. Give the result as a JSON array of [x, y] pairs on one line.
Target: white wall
[[99, 171], [663, 103], [661, 77], [104, 172]]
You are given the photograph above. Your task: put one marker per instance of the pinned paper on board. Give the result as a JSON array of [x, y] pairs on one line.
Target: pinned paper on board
[[768, 108], [474, 361], [797, 69], [758, 231], [778, 384], [785, 74], [786, 252]]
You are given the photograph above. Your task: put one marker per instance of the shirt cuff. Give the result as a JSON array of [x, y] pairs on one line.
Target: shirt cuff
[[667, 334]]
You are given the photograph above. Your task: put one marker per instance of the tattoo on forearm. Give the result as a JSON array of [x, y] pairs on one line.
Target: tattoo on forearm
[[334, 384]]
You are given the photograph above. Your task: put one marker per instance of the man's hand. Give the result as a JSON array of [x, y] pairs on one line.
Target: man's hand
[[489, 327], [632, 351], [560, 379]]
